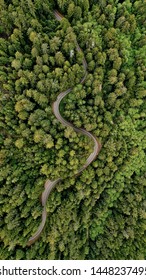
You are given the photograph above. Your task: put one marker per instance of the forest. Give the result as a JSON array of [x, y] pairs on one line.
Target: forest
[[101, 214]]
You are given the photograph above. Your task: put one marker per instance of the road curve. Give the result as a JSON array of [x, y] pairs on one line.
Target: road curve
[[49, 185]]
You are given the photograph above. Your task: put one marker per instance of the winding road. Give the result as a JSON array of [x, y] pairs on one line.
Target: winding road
[[49, 185]]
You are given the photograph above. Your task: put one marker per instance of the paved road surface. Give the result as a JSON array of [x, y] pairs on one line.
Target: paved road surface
[[49, 185]]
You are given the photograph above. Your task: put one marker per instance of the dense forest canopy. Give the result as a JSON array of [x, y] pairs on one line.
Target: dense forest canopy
[[102, 213]]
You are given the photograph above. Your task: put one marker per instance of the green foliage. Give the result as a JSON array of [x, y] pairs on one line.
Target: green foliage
[[100, 214]]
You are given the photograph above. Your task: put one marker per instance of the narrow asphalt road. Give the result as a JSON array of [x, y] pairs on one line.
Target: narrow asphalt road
[[49, 185]]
